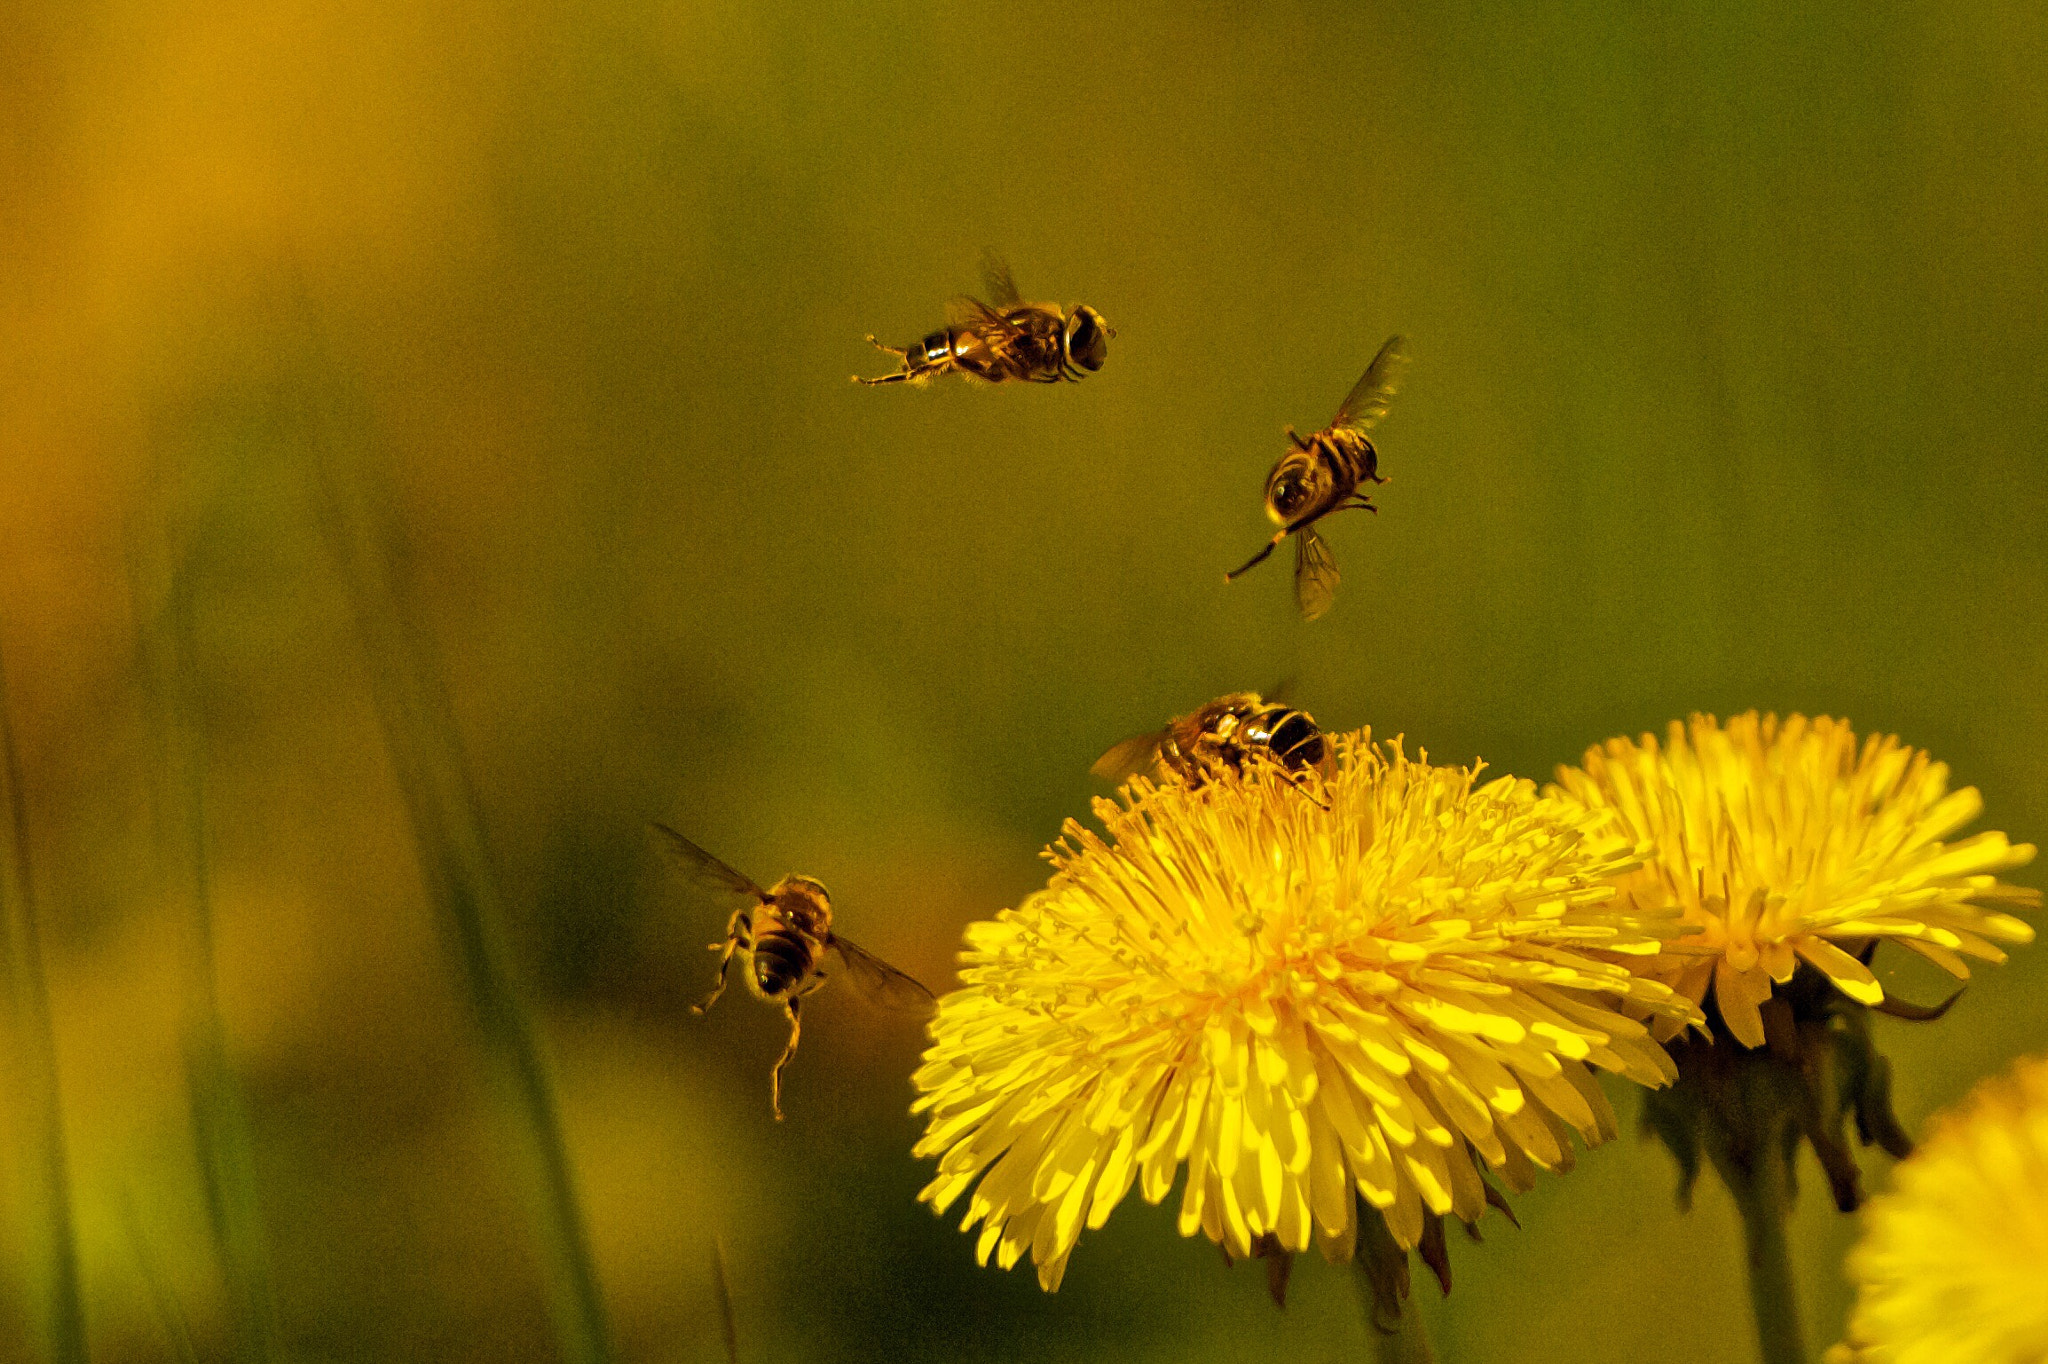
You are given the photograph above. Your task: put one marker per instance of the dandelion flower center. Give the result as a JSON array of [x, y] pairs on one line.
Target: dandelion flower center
[[1298, 993]]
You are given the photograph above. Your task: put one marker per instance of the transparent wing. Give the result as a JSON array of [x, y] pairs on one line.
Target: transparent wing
[[702, 868], [1315, 574], [1127, 759], [882, 983], [995, 277], [1368, 399], [963, 310]]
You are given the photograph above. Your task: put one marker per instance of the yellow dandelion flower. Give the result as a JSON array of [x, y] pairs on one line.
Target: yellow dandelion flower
[[1297, 991], [1783, 842], [1952, 1263]]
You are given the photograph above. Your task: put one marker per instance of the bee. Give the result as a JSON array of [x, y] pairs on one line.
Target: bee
[[1322, 475], [1004, 339], [1221, 735], [783, 938]]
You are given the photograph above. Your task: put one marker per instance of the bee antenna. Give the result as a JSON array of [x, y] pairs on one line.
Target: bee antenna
[[1256, 559]]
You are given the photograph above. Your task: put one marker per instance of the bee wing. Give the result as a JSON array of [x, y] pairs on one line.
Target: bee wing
[[964, 310], [1315, 574], [702, 868], [882, 983], [1368, 399], [1127, 759], [995, 277]]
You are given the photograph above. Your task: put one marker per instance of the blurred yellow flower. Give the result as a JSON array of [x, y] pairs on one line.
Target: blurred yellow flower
[[1953, 1264], [1298, 993], [1783, 842]]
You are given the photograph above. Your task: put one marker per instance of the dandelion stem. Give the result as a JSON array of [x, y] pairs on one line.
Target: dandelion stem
[[1409, 1344], [1392, 1319], [1761, 1194]]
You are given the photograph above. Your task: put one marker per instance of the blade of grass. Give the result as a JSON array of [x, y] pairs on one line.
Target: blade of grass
[[448, 832], [220, 1128], [36, 1046], [177, 1330], [721, 1283], [228, 1177]]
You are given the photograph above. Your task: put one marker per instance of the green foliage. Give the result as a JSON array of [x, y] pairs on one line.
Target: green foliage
[[1728, 322], [49, 1230]]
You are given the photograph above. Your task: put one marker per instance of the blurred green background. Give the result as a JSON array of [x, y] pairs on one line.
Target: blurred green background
[[1730, 328]]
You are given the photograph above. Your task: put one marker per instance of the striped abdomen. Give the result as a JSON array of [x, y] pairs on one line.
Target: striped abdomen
[[1021, 343], [783, 961], [1232, 730], [939, 348], [790, 930], [1349, 458], [1290, 736]]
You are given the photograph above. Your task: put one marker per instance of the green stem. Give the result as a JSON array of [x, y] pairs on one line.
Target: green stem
[[1762, 1197], [1410, 1344], [28, 994], [448, 833], [220, 1125], [177, 1330], [1392, 1322]]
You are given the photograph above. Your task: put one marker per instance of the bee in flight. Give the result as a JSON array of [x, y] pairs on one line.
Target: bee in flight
[[1004, 339], [1221, 735], [782, 939], [1323, 474]]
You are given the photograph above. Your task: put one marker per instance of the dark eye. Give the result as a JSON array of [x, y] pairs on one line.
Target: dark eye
[[1288, 495], [1087, 344]]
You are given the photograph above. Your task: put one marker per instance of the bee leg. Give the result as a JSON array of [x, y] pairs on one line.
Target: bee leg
[[1299, 443], [796, 1029], [1256, 559], [908, 374], [1301, 784], [738, 934]]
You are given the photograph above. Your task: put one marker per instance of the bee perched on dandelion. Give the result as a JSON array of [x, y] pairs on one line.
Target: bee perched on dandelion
[[1220, 736], [1388, 996], [1792, 851]]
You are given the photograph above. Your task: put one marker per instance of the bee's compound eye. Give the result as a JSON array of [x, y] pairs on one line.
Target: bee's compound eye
[[1088, 340], [1289, 494]]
